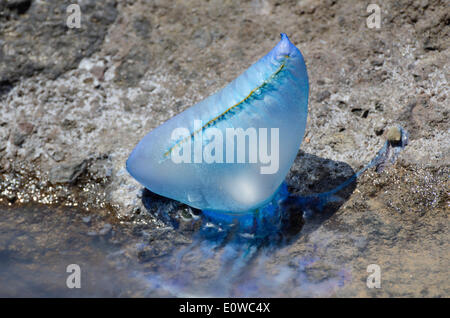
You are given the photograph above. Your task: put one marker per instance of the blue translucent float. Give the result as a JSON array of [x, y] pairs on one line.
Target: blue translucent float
[[270, 98]]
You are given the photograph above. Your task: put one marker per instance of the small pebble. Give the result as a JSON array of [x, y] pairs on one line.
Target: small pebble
[[379, 129], [394, 134]]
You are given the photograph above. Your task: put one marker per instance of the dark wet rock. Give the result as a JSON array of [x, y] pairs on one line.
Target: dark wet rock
[[17, 6], [67, 172], [40, 41]]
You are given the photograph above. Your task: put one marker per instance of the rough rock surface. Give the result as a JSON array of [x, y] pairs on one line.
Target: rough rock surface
[[34, 37], [74, 102]]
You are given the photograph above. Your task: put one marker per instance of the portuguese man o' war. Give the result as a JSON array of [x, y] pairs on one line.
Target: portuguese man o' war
[[229, 154], [271, 95]]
